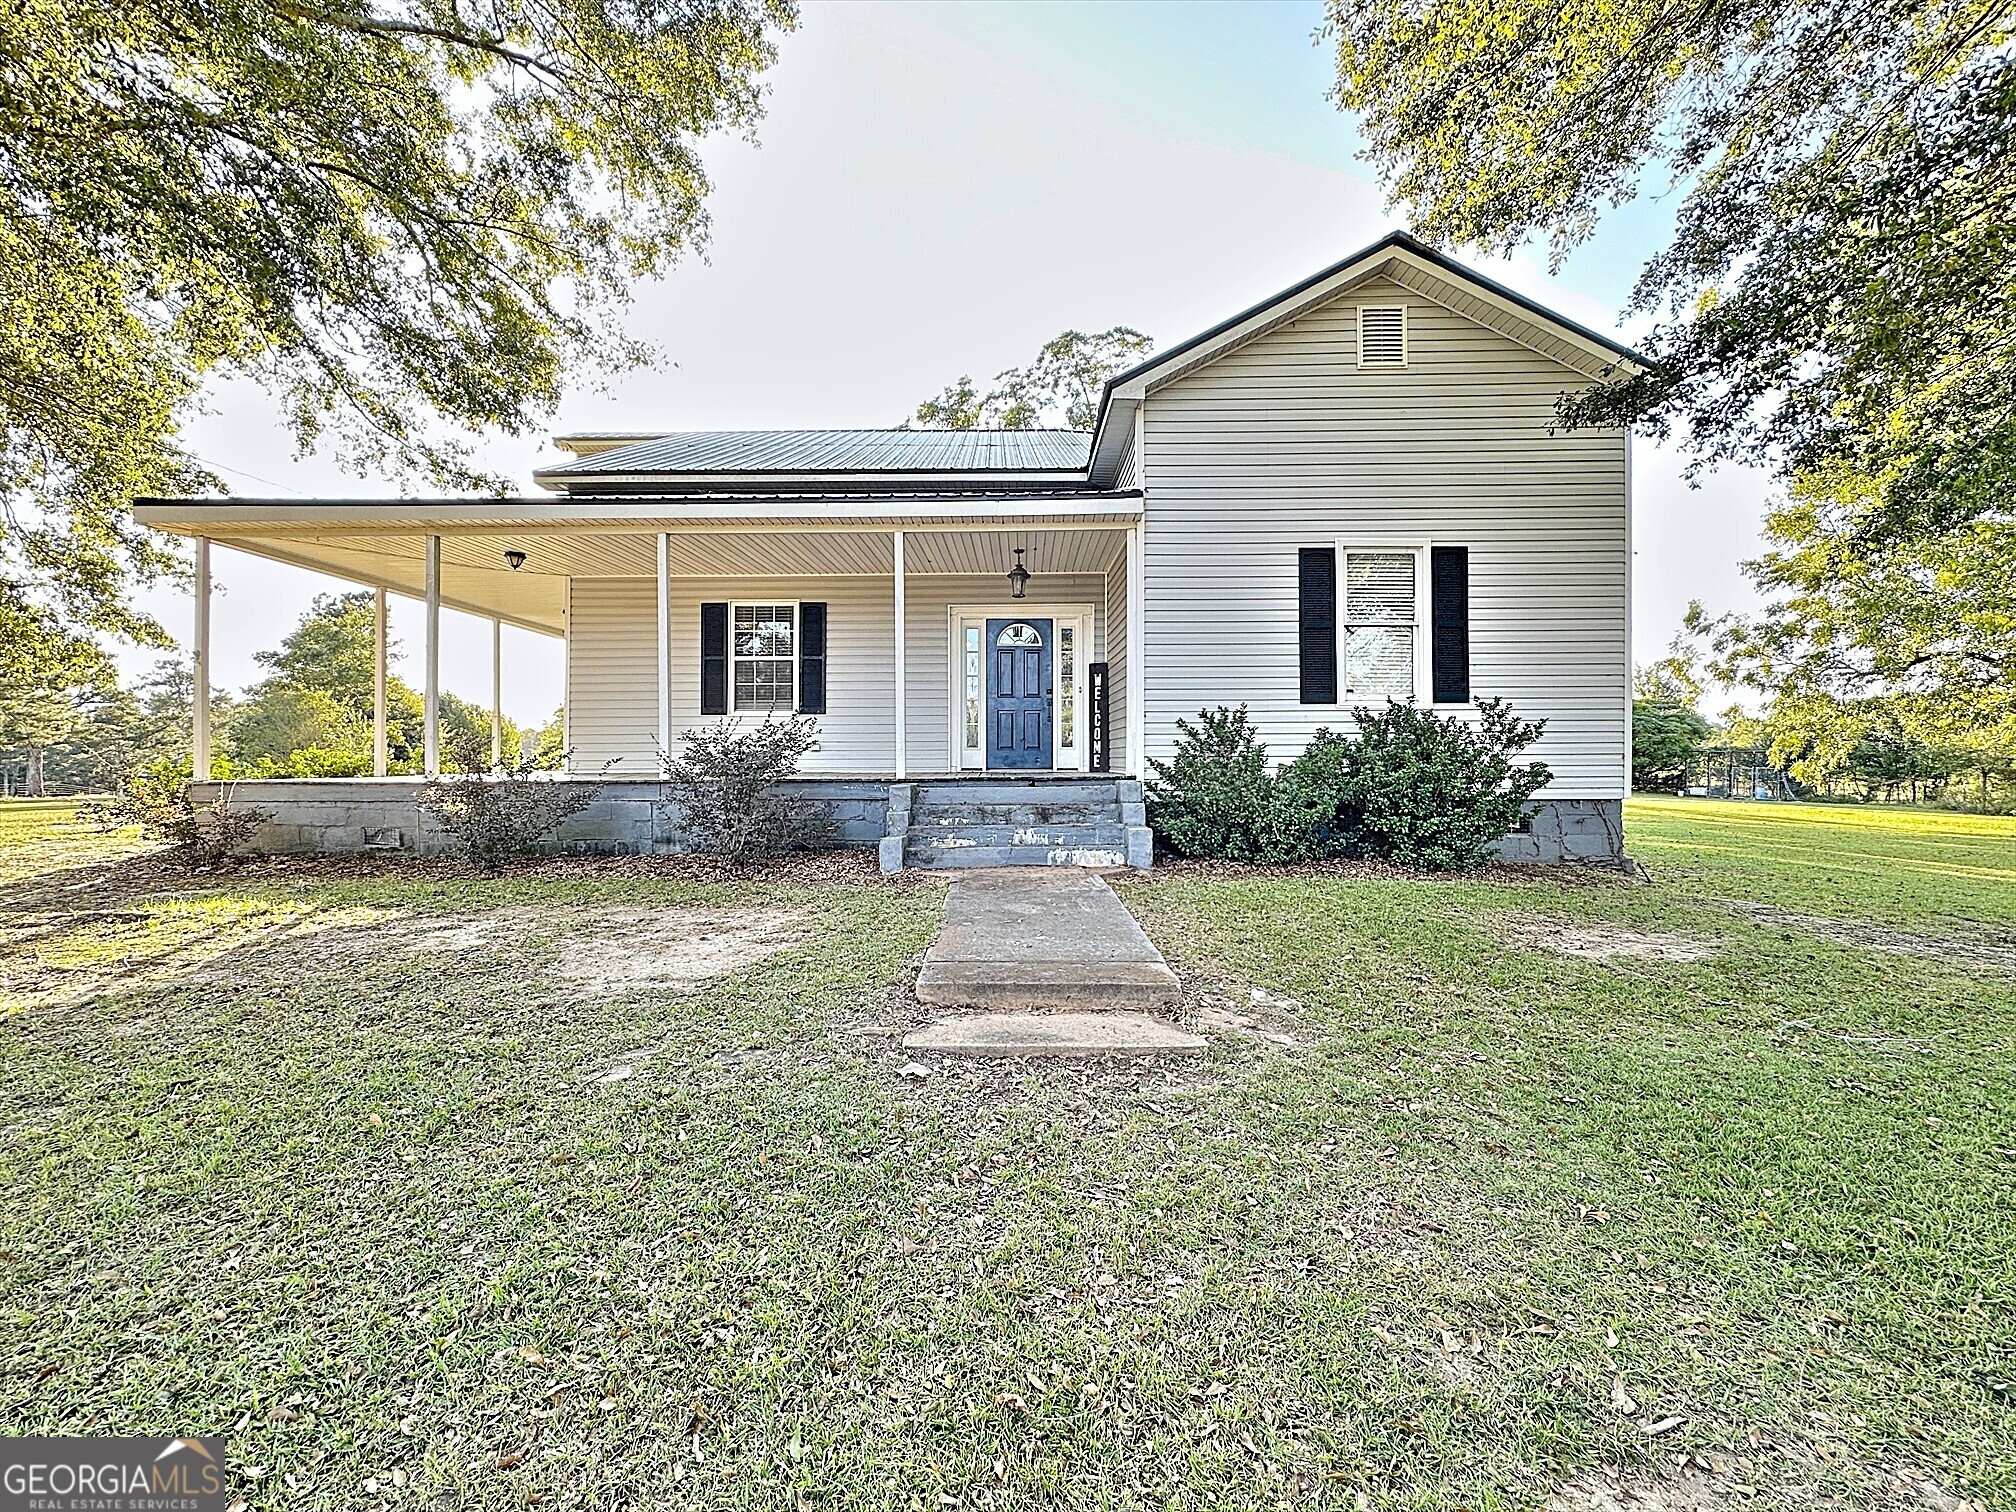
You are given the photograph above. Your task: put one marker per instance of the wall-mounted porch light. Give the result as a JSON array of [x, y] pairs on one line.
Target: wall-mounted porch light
[[515, 558], [1018, 576]]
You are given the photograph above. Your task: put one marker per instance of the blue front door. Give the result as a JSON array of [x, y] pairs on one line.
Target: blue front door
[[1018, 692]]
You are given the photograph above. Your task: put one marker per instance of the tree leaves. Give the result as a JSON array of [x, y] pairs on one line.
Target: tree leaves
[[1841, 285], [390, 215], [1062, 386]]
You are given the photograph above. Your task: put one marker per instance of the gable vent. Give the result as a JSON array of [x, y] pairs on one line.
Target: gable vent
[[1382, 336]]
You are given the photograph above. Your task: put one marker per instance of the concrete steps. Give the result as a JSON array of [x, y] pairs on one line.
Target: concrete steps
[[1006, 821]]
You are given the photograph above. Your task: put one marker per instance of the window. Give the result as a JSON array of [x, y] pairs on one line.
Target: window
[[1019, 634], [1067, 685], [1382, 336], [972, 716], [763, 651], [1381, 623]]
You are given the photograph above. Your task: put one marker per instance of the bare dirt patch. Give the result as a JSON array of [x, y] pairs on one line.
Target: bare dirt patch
[[1597, 940], [1997, 951], [1260, 1016], [610, 952]]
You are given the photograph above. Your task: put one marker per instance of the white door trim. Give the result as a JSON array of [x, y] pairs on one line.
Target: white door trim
[[1081, 617]]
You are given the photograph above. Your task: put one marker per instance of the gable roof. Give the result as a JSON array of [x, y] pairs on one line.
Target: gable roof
[[1406, 260], [828, 452]]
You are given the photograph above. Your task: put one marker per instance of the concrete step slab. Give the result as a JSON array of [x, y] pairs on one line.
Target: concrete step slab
[[928, 857], [961, 815], [1014, 986], [1077, 1035]]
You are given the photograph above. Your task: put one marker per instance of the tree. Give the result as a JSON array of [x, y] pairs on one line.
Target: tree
[[46, 676], [1840, 289], [399, 217], [1666, 737], [1914, 645], [1061, 387]]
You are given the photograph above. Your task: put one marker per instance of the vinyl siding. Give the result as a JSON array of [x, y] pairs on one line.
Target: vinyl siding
[[612, 666], [1285, 443]]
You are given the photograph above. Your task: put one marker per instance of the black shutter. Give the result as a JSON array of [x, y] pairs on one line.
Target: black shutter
[[1449, 597], [713, 658], [811, 658], [1318, 598]]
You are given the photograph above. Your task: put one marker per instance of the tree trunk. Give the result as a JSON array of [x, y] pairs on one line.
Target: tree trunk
[[32, 788]]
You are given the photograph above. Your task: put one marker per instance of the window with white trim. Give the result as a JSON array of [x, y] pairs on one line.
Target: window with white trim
[[763, 657], [1380, 623], [1382, 335]]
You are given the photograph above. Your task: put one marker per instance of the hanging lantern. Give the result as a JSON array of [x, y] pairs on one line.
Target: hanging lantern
[[515, 558], [1018, 576]]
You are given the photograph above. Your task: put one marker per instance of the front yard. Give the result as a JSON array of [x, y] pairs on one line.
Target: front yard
[[604, 1186]]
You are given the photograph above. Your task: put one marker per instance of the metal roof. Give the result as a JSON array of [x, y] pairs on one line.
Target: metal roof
[[840, 451]]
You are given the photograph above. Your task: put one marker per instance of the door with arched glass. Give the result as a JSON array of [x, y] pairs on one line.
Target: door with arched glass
[[1019, 661]]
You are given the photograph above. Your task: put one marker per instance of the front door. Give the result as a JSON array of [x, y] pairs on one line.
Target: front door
[[1018, 692]]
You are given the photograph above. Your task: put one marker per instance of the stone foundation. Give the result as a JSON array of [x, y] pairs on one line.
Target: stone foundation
[[628, 817], [1567, 829]]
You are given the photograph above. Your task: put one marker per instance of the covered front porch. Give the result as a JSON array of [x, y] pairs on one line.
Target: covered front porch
[[894, 625]]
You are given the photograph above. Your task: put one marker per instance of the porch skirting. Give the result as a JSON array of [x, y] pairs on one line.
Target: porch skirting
[[627, 818]]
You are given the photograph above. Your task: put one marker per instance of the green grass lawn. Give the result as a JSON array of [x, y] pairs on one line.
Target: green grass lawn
[[415, 1188]]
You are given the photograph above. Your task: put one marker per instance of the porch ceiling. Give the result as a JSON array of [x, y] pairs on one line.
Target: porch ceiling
[[475, 577]]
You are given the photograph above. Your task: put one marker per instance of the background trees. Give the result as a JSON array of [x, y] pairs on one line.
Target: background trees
[[1059, 389]]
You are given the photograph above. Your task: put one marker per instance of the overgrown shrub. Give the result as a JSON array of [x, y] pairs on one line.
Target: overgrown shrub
[[719, 789], [1216, 797], [159, 802], [497, 817], [1413, 787]]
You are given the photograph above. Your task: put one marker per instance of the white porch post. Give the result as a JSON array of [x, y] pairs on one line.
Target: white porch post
[[379, 754], [664, 645], [430, 762], [902, 680], [1137, 658], [199, 720], [496, 693]]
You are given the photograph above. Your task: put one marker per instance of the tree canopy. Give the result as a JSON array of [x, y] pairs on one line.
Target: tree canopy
[[402, 218], [1840, 287], [1060, 388]]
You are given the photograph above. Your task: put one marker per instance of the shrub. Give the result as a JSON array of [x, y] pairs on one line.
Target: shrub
[[497, 817], [1216, 797], [158, 801], [719, 789], [1413, 787]]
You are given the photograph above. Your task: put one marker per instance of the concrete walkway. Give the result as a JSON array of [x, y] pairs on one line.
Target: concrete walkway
[[1047, 961]]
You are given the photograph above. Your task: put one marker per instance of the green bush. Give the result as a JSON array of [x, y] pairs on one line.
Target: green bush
[[1216, 797], [721, 789], [1413, 787], [158, 801]]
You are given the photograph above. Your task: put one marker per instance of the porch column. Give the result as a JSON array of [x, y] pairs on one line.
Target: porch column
[[664, 645], [430, 762], [496, 693], [1137, 658], [379, 760], [199, 719], [902, 680]]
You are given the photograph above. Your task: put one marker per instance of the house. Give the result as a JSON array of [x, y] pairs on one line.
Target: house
[[1353, 491]]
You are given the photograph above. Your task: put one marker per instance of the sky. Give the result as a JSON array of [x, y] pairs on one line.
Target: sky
[[937, 189]]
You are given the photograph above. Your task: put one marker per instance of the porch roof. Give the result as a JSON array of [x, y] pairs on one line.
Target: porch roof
[[382, 543]]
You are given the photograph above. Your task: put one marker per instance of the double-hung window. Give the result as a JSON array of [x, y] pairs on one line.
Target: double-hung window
[[763, 651], [1381, 622]]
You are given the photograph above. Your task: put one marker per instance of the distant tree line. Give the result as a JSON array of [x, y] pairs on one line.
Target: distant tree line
[[80, 730]]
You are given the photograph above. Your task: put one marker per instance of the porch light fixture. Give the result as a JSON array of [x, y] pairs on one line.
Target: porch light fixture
[[515, 558], [1018, 576]]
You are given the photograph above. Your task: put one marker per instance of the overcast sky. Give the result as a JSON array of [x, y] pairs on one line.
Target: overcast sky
[[938, 189]]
